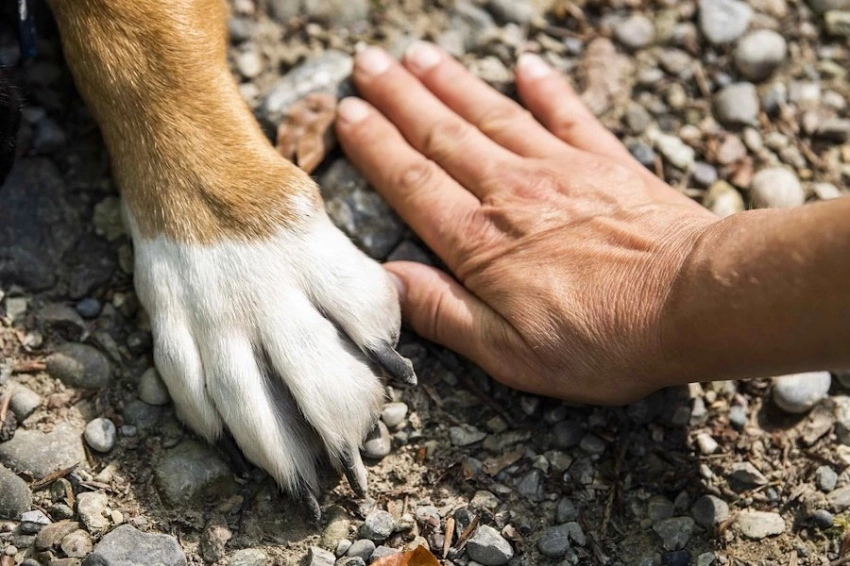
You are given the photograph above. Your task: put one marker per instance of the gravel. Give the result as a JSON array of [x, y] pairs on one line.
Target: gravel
[[776, 187], [737, 105], [488, 547], [127, 545], [79, 365], [799, 393], [759, 53], [757, 525], [101, 434], [747, 474], [723, 21], [555, 541]]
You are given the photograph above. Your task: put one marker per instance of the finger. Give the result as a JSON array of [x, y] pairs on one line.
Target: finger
[[430, 201], [433, 129], [561, 111], [441, 310], [500, 118]]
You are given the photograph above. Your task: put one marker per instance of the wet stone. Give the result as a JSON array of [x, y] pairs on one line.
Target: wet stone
[[127, 545], [488, 547], [39, 454], [192, 470], [79, 365]]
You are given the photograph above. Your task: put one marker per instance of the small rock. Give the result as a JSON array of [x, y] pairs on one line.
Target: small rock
[[567, 434], [52, 535], [319, 557], [709, 511], [250, 64], [737, 104], [706, 443], [90, 506], [127, 545], [192, 470], [747, 474], [33, 521], [79, 365], [822, 518], [822, 6], [642, 153], [837, 22], [566, 512], [465, 435], [107, 219], [393, 414], [723, 200], [88, 308], [826, 191], [592, 444], [351, 561], [759, 53], [333, 12], [839, 499], [77, 544], [378, 443], [635, 32], [362, 549], [24, 402], [724, 21], [777, 187], [757, 525], [336, 529], [488, 547], [703, 174], [378, 526], [342, 547], [659, 508], [152, 390], [215, 537], [141, 415], [100, 434], [826, 478], [39, 454], [15, 495], [555, 541], [676, 558], [731, 150], [738, 416], [249, 557], [799, 393], [383, 552], [675, 151], [834, 130], [511, 11], [674, 532]]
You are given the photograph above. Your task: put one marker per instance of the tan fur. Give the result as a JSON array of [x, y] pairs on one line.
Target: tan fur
[[188, 156]]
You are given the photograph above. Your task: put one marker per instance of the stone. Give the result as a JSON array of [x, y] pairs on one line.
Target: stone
[[362, 549], [822, 519], [77, 544], [15, 495], [249, 557], [731, 150], [674, 532], [747, 474], [79, 365], [249, 63], [511, 11], [776, 187], [471, 22], [837, 22], [38, 454], [554, 542], [706, 443], [333, 12], [48, 138], [101, 434], [566, 511], [336, 529], [52, 535], [393, 414], [61, 320], [635, 32], [839, 499], [822, 6], [192, 471], [383, 552], [826, 478], [704, 174], [33, 521], [676, 558], [759, 53], [152, 390], [488, 547], [465, 435], [319, 557], [107, 219], [126, 546], [724, 21], [642, 153], [88, 308], [214, 538], [757, 525], [723, 199], [592, 444], [24, 402], [799, 393], [833, 130], [90, 507], [709, 511], [674, 150], [342, 547], [826, 191], [737, 104], [659, 508], [141, 415], [378, 443], [359, 211], [567, 434], [378, 526]]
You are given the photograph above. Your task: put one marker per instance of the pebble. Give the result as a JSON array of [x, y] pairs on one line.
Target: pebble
[[336, 529], [24, 402], [77, 544], [674, 532], [566, 511], [465, 435], [52, 535], [759, 53], [837, 22], [822, 518], [488, 547], [839, 499], [592, 444], [821, 6], [706, 443], [351, 561], [709, 511], [100, 434], [675, 151], [737, 104], [342, 547], [529, 485], [88, 308], [676, 558], [362, 549], [141, 415], [152, 390], [833, 130], [635, 32], [90, 506], [15, 495], [567, 434], [393, 414], [107, 219], [128, 545], [642, 153], [319, 557], [378, 443], [33, 521], [79, 365], [383, 552], [378, 526], [249, 557], [776, 187], [757, 525], [738, 416], [747, 474], [555, 541], [511, 11], [826, 191], [724, 21], [192, 470], [799, 393], [703, 174], [214, 537], [250, 64], [39, 454], [723, 199], [825, 479], [659, 508]]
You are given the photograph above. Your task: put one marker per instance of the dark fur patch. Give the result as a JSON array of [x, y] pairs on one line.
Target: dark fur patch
[[10, 120]]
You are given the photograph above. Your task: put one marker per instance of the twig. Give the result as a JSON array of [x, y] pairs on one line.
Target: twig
[[53, 476], [4, 406]]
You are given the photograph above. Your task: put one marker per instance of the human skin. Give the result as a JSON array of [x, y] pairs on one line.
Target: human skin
[[573, 271]]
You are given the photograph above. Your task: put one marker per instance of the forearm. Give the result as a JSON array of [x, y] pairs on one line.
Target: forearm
[[764, 293]]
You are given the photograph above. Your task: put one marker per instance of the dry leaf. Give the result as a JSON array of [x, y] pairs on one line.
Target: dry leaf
[[305, 136], [420, 556]]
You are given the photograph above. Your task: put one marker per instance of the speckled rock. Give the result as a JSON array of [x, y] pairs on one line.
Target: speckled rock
[[488, 547], [378, 526], [249, 557], [101, 434]]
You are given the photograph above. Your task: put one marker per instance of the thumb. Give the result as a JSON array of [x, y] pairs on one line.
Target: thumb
[[441, 310]]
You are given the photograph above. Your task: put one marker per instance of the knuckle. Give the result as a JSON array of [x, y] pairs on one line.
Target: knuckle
[[494, 121], [442, 139], [420, 174]]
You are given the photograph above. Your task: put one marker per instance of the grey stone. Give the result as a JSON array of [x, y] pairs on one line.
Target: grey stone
[[241, 29], [326, 73], [248, 557], [704, 174], [472, 22], [835, 130], [393, 414], [488, 547], [822, 518], [359, 211], [192, 470], [24, 402], [723, 21], [759, 53], [334, 12], [33, 521], [127, 546], [723, 199], [383, 552], [141, 415], [465, 435], [91, 506], [776, 187], [88, 308], [837, 22], [826, 478], [39, 454], [839, 499], [592, 444], [642, 153], [378, 443], [152, 390], [659, 508], [77, 544], [566, 511], [674, 532], [529, 485], [378, 526], [635, 32], [342, 547], [709, 511], [319, 557], [79, 365], [738, 416], [214, 538], [757, 525], [15, 495], [52, 535], [737, 104], [674, 150], [62, 320], [351, 561], [799, 393], [512, 11], [100, 434], [567, 434], [336, 529], [747, 474], [637, 118], [362, 549]]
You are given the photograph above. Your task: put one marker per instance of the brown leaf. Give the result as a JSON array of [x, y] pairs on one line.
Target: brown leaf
[[420, 556], [305, 136]]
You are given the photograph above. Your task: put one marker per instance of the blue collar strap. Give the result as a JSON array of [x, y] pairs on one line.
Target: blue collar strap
[[26, 30]]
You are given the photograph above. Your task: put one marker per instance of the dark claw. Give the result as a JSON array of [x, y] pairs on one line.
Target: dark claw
[[355, 472], [396, 366], [312, 505], [238, 463]]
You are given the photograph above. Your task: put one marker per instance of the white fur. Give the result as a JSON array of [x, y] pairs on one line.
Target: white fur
[[216, 309]]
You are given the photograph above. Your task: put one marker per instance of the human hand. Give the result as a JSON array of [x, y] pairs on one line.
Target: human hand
[[562, 248]]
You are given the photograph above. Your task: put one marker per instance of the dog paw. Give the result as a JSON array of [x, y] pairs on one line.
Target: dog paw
[[277, 342]]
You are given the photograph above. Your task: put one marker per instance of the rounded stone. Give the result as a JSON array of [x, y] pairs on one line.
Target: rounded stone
[[674, 532], [724, 21], [79, 365], [489, 548], [776, 187], [757, 525], [709, 511], [77, 544], [554, 542], [737, 104], [723, 199], [759, 53], [88, 308], [24, 402], [635, 32], [378, 526], [152, 390], [15, 495], [362, 549], [101, 434], [393, 414], [822, 519], [128, 545], [799, 393], [378, 444]]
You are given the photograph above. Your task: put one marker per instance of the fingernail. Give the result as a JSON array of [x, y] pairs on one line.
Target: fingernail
[[352, 110], [422, 56], [399, 286], [532, 66], [373, 61]]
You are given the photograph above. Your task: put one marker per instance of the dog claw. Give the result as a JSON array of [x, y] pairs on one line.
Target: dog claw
[[238, 463], [355, 472], [397, 367], [312, 505]]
